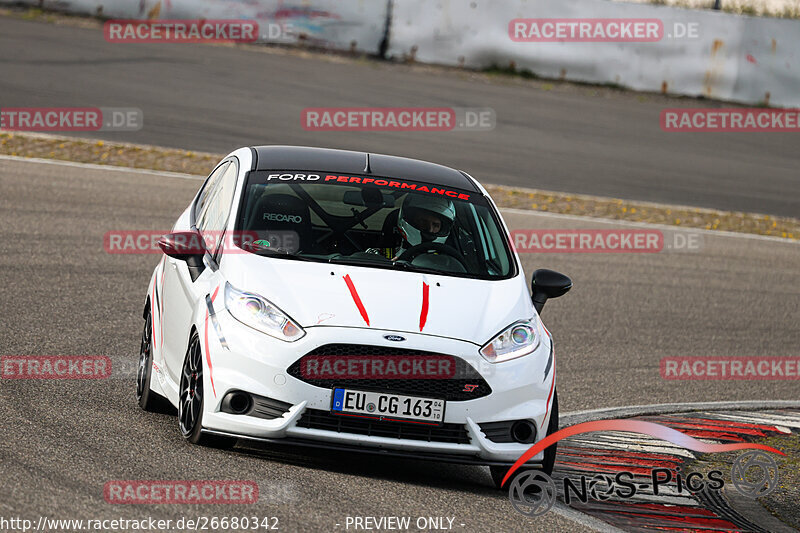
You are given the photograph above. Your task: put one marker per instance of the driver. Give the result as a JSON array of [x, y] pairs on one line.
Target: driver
[[424, 219]]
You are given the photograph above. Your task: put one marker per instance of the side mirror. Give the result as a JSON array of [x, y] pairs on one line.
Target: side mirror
[[185, 246], [547, 284], [182, 245]]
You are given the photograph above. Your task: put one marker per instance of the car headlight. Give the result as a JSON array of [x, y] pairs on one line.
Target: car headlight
[[520, 338], [259, 313]]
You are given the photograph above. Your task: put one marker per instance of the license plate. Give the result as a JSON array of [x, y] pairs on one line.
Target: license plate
[[389, 407]]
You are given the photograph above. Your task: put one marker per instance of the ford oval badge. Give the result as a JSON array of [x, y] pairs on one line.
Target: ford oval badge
[[394, 338]]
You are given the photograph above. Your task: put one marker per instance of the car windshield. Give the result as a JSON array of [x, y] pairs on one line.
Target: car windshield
[[373, 222]]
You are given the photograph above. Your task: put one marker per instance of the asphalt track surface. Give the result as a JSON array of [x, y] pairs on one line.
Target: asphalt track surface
[[556, 137], [64, 295]]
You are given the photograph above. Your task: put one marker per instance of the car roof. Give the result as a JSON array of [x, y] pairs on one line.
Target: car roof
[[350, 162]]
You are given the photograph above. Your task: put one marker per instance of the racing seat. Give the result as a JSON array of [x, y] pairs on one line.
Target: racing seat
[[285, 221], [389, 237]]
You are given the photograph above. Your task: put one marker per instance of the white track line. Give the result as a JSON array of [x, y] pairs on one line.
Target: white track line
[[94, 166], [762, 419], [576, 417]]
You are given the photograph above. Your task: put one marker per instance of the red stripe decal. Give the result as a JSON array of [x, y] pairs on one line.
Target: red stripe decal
[[733, 426], [606, 468], [161, 313], [214, 295], [153, 315], [208, 359], [423, 315], [549, 396], [356, 299]]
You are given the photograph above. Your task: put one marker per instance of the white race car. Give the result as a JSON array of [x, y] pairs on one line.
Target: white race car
[[351, 301]]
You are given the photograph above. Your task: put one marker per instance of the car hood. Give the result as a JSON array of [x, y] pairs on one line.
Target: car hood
[[320, 294]]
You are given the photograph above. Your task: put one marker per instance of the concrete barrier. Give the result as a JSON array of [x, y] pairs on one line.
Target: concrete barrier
[[356, 25], [699, 53], [732, 57]]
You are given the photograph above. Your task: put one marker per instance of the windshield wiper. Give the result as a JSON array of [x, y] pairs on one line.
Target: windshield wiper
[[278, 252], [379, 261], [423, 270]]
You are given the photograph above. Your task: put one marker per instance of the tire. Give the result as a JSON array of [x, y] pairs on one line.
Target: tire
[[191, 400], [147, 399], [549, 461]]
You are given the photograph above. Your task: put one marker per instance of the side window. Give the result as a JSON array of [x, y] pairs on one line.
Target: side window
[[495, 255], [213, 216], [491, 240], [201, 207]]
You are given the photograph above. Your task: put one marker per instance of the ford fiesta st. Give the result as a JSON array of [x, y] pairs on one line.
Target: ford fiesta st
[[352, 301]]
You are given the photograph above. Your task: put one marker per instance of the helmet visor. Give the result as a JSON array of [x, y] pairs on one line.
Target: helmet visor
[[428, 222]]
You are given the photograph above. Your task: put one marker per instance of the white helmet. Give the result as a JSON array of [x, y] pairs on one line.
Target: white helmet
[[425, 219]]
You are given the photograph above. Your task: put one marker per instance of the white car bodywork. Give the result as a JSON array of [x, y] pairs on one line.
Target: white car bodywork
[[464, 314]]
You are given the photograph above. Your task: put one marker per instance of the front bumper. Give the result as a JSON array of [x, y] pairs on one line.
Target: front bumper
[[256, 363]]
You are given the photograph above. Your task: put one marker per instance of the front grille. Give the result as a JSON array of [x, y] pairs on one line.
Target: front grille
[[318, 419], [464, 384]]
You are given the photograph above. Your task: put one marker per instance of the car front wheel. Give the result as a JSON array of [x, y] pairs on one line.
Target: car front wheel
[[148, 400], [191, 400]]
